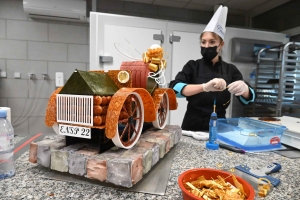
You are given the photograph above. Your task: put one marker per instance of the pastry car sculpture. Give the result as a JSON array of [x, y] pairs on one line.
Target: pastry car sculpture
[[117, 102]]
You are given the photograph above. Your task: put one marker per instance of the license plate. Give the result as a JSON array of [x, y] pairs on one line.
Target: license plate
[[75, 131]]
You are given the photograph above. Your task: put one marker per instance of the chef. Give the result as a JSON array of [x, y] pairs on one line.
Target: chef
[[210, 78]]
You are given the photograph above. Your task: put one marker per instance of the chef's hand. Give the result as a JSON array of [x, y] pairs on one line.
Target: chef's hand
[[238, 88], [216, 84]]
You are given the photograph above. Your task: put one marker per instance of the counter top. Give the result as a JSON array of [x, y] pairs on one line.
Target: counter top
[[190, 153]]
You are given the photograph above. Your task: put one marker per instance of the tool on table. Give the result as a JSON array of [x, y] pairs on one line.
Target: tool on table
[[198, 135], [211, 144], [239, 150], [262, 173], [231, 148]]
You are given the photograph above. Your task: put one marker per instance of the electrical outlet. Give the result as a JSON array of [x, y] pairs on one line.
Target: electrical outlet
[[17, 75], [59, 79], [31, 76], [45, 76], [3, 74]]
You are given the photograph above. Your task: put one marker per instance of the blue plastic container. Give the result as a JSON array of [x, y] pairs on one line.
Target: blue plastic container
[[249, 134]]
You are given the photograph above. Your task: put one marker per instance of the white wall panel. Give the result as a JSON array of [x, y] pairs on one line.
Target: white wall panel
[[132, 40], [47, 51], [68, 34], [78, 53], [24, 30], [12, 49], [106, 29], [181, 52], [2, 28]]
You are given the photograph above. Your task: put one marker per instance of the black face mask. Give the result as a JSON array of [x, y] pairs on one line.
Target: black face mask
[[209, 53]]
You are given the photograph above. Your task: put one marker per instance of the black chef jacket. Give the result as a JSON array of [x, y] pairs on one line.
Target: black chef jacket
[[200, 106]]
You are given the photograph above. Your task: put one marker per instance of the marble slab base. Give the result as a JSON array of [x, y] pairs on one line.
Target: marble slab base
[[117, 166]]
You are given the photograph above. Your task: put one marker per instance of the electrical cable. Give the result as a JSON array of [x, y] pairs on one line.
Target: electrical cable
[[28, 88], [15, 124]]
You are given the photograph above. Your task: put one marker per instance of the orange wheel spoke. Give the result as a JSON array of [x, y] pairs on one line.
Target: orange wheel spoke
[[123, 121], [125, 109], [134, 111], [133, 128], [124, 131]]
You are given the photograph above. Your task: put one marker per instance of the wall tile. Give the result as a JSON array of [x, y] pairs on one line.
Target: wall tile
[[31, 108], [67, 33], [22, 127], [66, 68], [25, 67], [24, 30], [41, 88], [37, 125], [3, 101], [78, 53], [13, 88], [12, 49], [2, 65], [47, 51], [20, 107], [12, 9], [2, 28]]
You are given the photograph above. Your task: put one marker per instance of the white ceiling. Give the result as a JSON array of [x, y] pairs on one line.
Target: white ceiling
[[240, 7]]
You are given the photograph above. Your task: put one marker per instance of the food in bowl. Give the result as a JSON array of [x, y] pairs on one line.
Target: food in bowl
[[205, 183]]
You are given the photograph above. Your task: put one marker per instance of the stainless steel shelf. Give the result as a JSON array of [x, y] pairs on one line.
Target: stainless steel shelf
[[278, 82]]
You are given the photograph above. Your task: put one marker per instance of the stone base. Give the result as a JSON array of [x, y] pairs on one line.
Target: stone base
[[118, 166]]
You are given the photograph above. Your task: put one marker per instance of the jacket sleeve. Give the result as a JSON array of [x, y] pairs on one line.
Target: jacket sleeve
[[251, 98], [236, 75], [183, 78]]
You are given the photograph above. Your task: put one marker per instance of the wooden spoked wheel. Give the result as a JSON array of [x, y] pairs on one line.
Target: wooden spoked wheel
[[162, 113], [130, 123]]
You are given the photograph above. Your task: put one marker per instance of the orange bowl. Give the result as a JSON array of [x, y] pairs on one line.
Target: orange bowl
[[193, 174]]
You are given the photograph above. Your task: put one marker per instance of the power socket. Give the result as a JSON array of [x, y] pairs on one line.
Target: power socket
[[31, 76], [3, 74], [45, 76], [59, 79], [17, 75]]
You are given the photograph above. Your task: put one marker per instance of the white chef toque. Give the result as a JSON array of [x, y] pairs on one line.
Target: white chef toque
[[218, 22]]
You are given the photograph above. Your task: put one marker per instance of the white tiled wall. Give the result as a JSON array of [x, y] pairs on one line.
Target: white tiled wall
[[13, 49], [78, 53], [39, 47], [2, 28], [48, 51], [67, 34], [24, 30]]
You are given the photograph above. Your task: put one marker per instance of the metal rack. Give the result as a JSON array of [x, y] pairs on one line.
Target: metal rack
[[278, 81]]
